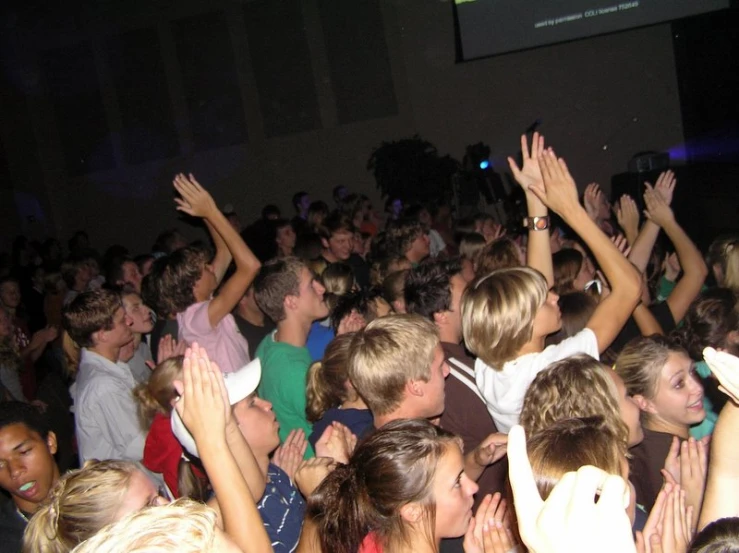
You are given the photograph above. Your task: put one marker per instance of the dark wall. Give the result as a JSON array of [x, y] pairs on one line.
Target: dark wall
[[261, 98]]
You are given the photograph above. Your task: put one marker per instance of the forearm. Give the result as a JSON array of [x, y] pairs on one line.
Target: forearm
[[690, 257], [641, 248], [539, 253], [721, 499], [472, 468], [646, 322], [625, 280], [241, 519], [223, 256], [245, 460], [243, 257]]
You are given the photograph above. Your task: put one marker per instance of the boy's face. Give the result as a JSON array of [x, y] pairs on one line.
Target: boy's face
[[341, 244], [121, 332], [310, 302], [27, 466]]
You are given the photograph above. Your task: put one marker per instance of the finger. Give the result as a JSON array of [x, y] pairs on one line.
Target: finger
[[614, 495], [668, 518], [656, 543], [525, 148]]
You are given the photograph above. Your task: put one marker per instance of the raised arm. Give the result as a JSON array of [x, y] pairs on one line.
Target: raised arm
[[203, 407], [559, 193], [223, 257], [694, 268], [196, 201], [539, 253]]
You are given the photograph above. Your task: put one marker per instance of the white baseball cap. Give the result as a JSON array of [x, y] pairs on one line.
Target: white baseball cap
[[239, 384]]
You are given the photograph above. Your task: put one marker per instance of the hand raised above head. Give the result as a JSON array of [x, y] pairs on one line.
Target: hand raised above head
[[194, 199]]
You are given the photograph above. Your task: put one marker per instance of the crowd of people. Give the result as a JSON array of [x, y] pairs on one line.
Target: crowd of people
[[354, 381]]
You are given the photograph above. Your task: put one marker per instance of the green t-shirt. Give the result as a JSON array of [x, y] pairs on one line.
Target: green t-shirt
[[284, 372]]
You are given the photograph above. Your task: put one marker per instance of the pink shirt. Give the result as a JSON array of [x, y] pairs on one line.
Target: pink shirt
[[224, 343]]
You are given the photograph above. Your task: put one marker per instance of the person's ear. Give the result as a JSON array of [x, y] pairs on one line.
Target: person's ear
[[324, 243], [52, 443], [290, 303], [414, 388], [645, 404], [441, 317], [733, 337], [99, 336], [412, 512]]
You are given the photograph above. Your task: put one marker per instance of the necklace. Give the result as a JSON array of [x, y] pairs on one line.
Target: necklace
[[21, 514]]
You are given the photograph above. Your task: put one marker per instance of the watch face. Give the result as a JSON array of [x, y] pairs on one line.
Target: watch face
[[541, 223]]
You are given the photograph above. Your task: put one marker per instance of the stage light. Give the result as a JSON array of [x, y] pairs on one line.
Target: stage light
[[484, 164]]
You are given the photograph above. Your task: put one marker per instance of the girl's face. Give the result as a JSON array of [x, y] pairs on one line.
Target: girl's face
[[679, 396], [141, 493], [258, 424], [630, 412], [548, 318], [140, 314], [453, 494]]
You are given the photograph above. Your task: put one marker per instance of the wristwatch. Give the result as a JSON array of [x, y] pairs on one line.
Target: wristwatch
[[536, 223]]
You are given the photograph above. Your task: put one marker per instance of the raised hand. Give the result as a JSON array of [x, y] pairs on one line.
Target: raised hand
[[491, 450], [666, 186], [672, 267], [336, 442], [490, 529], [203, 400], [658, 211], [622, 244], [669, 527], [529, 174], [352, 322], [671, 470], [726, 368], [627, 215], [194, 199], [311, 473], [558, 190], [570, 519], [290, 454], [592, 199], [169, 347]]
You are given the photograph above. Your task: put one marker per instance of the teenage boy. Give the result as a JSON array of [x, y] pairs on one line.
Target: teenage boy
[[27, 468], [289, 294], [105, 412], [337, 238]]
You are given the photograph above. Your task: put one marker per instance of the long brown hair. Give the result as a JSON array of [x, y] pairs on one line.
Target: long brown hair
[[326, 385], [394, 466]]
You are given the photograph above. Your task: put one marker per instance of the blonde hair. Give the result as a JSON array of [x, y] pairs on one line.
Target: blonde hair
[[388, 353], [338, 280], [578, 386], [572, 443], [498, 312], [724, 252], [72, 352], [156, 394], [184, 526], [326, 383], [641, 361], [471, 245], [81, 503]]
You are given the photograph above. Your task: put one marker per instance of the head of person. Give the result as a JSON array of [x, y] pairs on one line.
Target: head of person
[[181, 279], [723, 259], [572, 271], [184, 526], [434, 291], [317, 213], [721, 536], [10, 293], [470, 246], [144, 263], [284, 236], [393, 290], [138, 311], [339, 193], [397, 365], [337, 237], [286, 288], [271, 212], [301, 202], [79, 242], [84, 501], [338, 280], [97, 319], [393, 207], [498, 254], [488, 227], [569, 444], [328, 383], [580, 386], [406, 482], [123, 271], [504, 310], [76, 274], [407, 238], [169, 241], [659, 375], [712, 320], [27, 448]]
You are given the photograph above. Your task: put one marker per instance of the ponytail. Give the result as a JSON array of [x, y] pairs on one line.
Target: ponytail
[[156, 394], [190, 484], [326, 381]]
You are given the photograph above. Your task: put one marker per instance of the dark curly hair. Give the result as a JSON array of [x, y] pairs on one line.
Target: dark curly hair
[[169, 286]]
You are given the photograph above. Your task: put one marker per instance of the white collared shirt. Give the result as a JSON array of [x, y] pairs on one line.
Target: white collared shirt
[[105, 411]]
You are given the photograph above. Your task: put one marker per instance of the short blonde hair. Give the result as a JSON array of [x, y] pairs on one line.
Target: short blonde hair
[[184, 526], [81, 503], [388, 353], [570, 444], [498, 312], [578, 386]]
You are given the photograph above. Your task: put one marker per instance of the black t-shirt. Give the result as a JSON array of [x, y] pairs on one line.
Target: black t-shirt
[[12, 526], [252, 333], [661, 312]]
